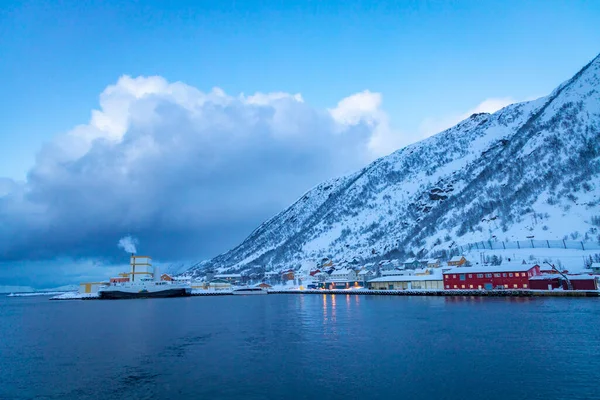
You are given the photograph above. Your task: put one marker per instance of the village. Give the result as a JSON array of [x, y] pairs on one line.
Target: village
[[455, 274]]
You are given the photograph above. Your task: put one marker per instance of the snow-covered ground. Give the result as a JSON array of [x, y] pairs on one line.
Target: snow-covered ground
[[75, 296], [34, 294], [570, 259]]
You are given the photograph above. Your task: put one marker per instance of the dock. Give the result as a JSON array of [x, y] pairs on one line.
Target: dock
[[450, 293]]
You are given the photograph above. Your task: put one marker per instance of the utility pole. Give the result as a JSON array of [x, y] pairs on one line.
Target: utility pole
[[569, 285]]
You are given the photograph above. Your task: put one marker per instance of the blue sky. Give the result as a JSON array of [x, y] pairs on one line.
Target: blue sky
[[426, 58], [413, 67]]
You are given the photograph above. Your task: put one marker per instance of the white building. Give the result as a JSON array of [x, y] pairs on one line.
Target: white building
[[344, 274], [365, 275], [232, 278], [423, 282]]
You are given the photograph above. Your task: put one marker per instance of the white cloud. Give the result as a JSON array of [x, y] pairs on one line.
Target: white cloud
[[187, 172], [431, 126], [365, 107]]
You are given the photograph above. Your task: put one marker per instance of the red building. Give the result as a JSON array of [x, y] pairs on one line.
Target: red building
[[556, 281], [545, 282], [582, 282], [506, 276]]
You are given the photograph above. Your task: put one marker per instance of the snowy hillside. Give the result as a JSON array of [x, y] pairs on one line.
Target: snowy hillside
[[530, 170]]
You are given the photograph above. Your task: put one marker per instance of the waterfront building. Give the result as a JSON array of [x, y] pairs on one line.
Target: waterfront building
[[399, 282], [557, 281], [344, 274], [219, 284], [91, 287], [545, 282], [505, 276]]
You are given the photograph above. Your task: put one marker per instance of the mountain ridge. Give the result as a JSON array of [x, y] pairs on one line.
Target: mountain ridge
[[489, 172]]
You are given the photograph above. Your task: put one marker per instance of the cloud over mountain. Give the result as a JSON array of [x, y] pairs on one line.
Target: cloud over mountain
[[187, 172]]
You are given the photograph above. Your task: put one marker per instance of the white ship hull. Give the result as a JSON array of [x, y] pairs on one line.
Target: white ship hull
[[249, 291]]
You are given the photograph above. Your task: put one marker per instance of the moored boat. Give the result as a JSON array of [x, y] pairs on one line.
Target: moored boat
[[149, 285], [145, 288], [249, 291]]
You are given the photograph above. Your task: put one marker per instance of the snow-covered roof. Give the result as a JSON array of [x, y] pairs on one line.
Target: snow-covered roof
[[571, 277], [364, 272], [407, 278], [433, 261], [595, 265], [394, 272], [410, 261], [482, 269], [344, 271], [456, 258]]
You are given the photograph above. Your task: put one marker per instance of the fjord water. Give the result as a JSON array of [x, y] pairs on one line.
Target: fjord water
[[301, 347]]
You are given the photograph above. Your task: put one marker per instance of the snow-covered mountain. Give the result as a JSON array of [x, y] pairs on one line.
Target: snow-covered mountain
[[529, 170]]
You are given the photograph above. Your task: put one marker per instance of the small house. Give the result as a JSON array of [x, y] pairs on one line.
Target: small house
[[457, 261], [422, 271], [595, 267], [411, 263], [288, 275], [433, 263], [264, 285]]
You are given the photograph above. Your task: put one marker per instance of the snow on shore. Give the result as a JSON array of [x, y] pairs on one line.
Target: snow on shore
[[75, 296], [29, 294]]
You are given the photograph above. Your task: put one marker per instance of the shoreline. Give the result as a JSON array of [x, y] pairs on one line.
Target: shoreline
[[368, 292]]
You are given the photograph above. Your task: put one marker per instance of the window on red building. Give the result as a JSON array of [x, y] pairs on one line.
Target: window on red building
[[510, 275], [504, 275], [470, 275], [480, 275], [488, 275], [497, 275]]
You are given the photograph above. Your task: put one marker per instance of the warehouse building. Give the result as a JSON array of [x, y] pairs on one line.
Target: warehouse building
[[504, 276], [414, 282]]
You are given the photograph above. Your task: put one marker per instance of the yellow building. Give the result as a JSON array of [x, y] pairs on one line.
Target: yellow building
[[90, 287]]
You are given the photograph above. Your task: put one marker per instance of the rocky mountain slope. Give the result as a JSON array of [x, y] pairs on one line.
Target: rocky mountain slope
[[529, 170]]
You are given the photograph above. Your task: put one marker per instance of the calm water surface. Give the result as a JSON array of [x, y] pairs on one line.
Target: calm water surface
[[300, 347]]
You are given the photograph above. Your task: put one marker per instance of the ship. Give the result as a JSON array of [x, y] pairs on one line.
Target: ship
[[143, 281]]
